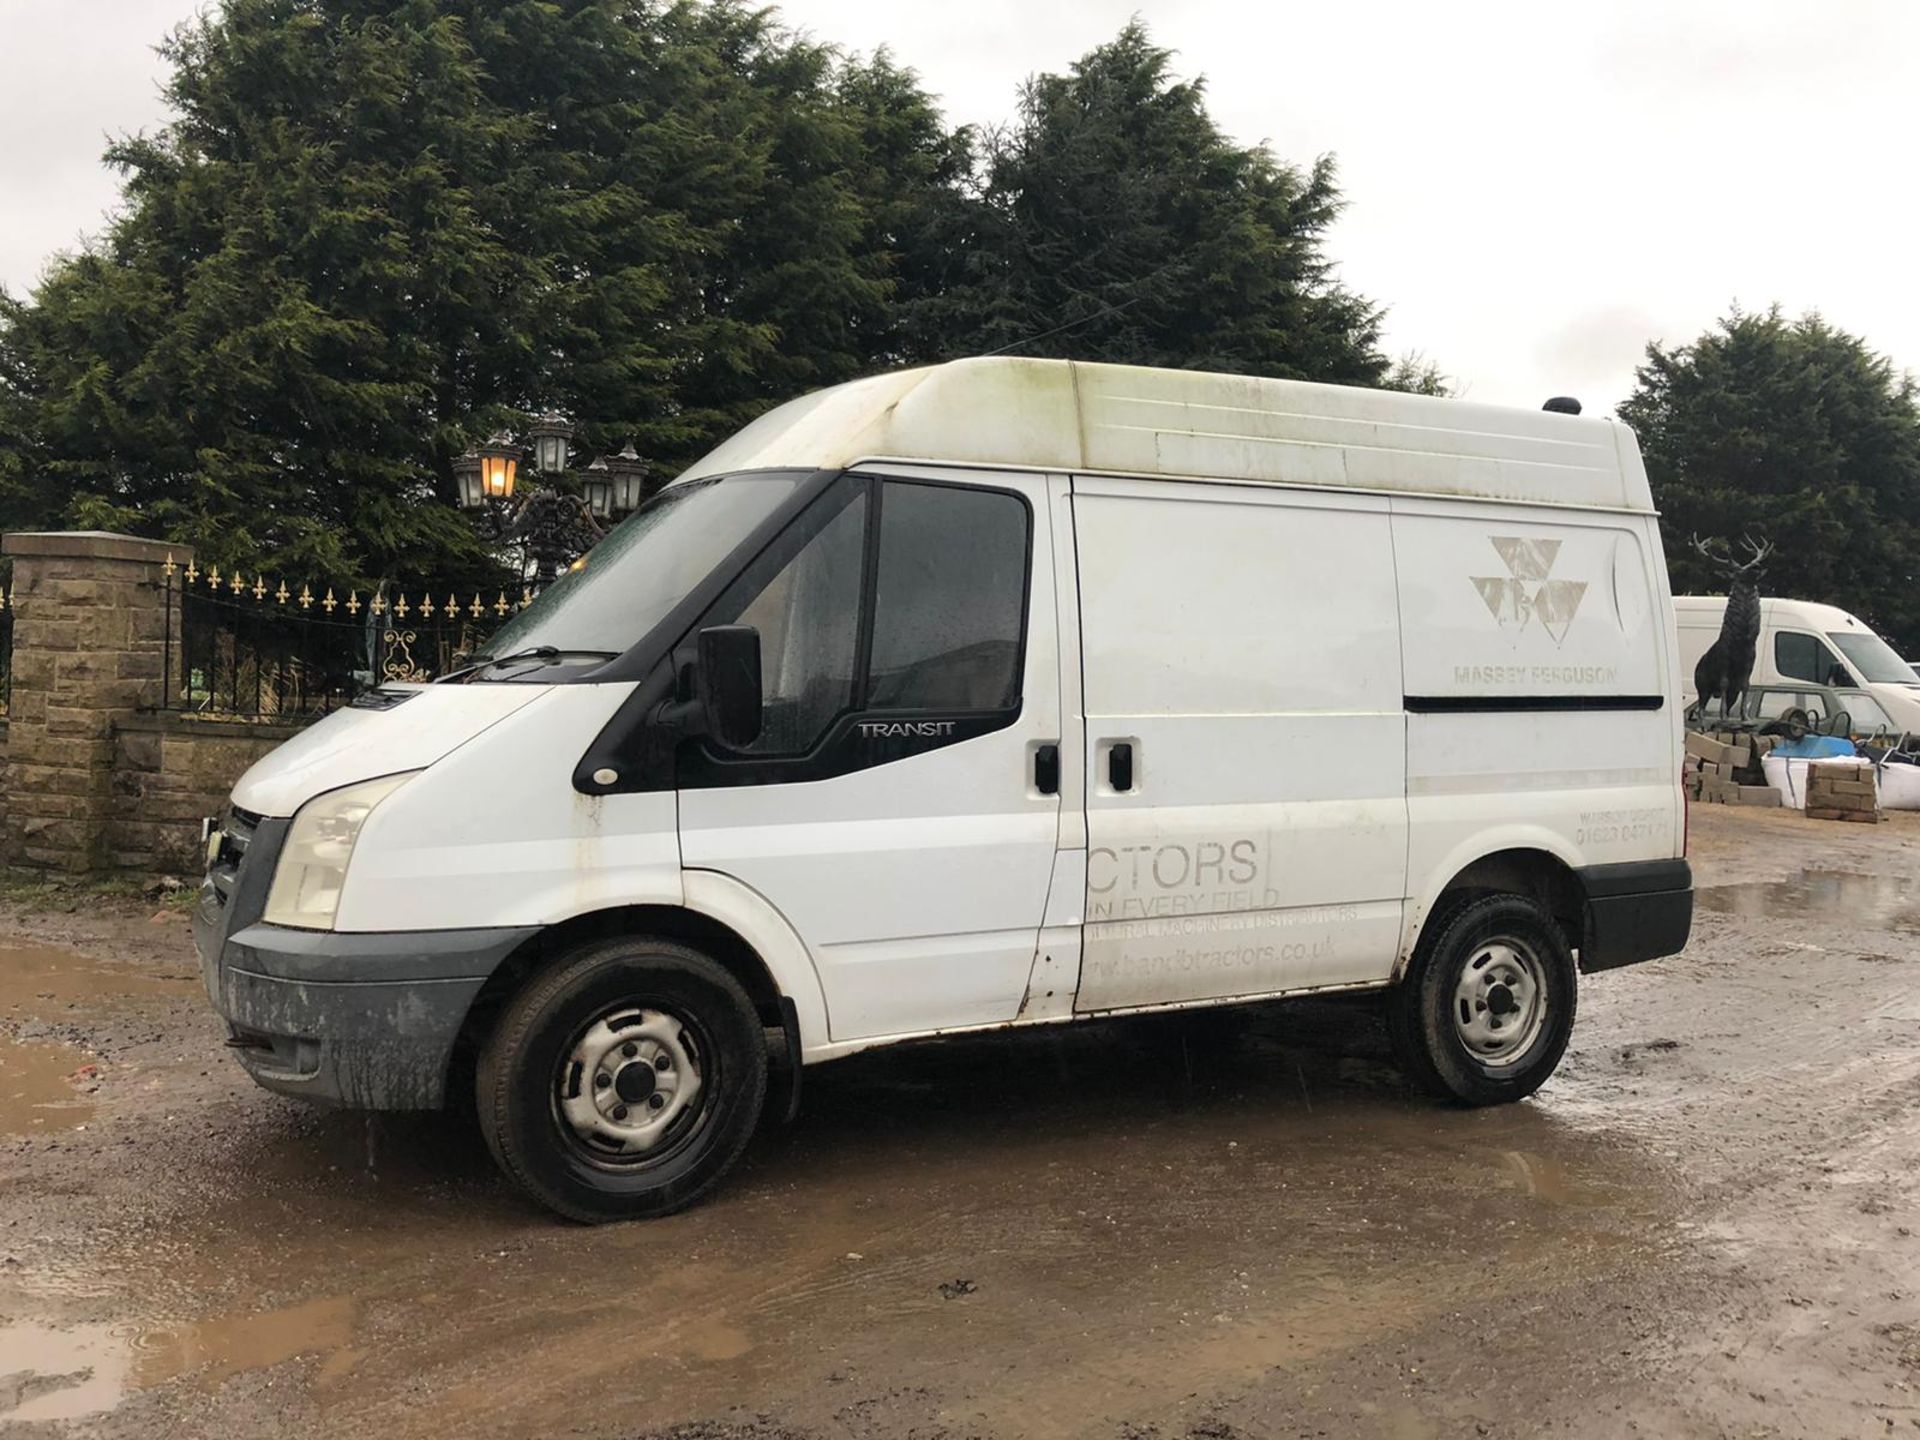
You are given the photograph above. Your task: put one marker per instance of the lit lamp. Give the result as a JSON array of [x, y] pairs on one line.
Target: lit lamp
[[549, 435], [499, 463], [596, 487], [628, 474]]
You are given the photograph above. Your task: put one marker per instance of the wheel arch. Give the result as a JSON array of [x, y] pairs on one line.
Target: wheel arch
[[1535, 870], [721, 918]]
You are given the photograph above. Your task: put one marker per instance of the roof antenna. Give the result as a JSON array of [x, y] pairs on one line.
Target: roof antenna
[[1562, 405]]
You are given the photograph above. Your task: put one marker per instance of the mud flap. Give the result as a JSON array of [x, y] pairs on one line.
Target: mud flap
[[783, 1069]]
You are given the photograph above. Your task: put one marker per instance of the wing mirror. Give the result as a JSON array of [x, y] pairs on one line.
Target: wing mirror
[[727, 683]]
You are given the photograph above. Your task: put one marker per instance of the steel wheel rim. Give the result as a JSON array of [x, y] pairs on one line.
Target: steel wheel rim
[[1500, 1001], [632, 1087]]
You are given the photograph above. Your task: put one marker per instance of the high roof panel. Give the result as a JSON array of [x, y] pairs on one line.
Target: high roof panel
[[1122, 419]]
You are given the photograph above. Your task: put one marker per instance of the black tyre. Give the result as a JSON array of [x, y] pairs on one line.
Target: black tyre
[[1484, 1013], [624, 1082]]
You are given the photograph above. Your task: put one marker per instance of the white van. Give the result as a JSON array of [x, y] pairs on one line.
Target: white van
[[1809, 644], [999, 693]]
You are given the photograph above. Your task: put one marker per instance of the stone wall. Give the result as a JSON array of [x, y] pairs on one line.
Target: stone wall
[[89, 636], [169, 771], [97, 775]]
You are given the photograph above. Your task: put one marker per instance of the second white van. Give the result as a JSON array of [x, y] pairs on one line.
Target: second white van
[[1002, 693], [1819, 645]]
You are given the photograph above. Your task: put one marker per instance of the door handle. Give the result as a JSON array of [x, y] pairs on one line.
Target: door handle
[[1046, 769], [1120, 767]]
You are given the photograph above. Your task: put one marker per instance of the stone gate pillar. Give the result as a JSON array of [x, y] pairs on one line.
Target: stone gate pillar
[[90, 632]]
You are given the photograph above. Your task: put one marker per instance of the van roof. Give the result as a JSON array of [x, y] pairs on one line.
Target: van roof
[[1777, 607], [1070, 415]]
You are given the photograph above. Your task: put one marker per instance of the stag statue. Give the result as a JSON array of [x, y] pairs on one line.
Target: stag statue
[[1724, 670]]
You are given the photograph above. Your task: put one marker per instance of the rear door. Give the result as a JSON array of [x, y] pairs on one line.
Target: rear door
[[1246, 743], [893, 808]]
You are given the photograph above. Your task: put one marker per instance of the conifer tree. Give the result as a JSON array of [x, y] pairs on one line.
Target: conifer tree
[[1796, 432]]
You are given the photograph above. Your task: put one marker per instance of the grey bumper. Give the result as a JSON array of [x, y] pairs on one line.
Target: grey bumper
[[362, 1020]]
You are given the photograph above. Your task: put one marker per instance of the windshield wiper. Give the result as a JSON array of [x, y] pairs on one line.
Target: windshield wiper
[[545, 654]]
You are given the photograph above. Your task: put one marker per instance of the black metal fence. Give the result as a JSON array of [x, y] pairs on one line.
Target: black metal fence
[[253, 648]]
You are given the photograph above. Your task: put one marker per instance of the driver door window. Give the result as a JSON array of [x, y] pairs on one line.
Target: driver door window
[[927, 617], [1804, 657]]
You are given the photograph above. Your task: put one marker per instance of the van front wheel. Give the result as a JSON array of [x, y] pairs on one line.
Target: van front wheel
[[624, 1082], [1484, 1013]]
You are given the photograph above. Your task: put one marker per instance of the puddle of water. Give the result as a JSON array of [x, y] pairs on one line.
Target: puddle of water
[[36, 1094], [41, 980], [50, 1374], [212, 1350], [54, 1373], [1546, 1178], [1882, 900]]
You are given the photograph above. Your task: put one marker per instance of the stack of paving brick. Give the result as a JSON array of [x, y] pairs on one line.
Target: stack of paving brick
[[1842, 791], [1724, 769]]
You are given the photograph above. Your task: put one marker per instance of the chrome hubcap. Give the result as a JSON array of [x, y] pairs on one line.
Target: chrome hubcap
[[1500, 1003], [628, 1077]]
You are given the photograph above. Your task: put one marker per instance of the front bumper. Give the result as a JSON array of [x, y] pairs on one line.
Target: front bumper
[[1634, 912], [362, 1020]]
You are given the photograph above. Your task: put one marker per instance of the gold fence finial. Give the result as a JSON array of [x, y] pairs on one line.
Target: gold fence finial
[[426, 604], [378, 605], [328, 603], [259, 587], [400, 608], [306, 598], [237, 585], [169, 569], [193, 572], [500, 606], [353, 602], [213, 577], [476, 608], [280, 595]]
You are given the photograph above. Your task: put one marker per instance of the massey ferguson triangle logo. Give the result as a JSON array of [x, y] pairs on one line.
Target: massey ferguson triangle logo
[[1526, 593]]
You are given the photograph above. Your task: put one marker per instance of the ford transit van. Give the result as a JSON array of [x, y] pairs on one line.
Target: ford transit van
[[1814, 644], [1000, 693]]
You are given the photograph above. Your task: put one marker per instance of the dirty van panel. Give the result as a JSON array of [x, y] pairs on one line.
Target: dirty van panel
[[1245, 804], [1537, 678]]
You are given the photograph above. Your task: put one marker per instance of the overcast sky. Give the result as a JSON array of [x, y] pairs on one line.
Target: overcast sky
[[1534, 190]]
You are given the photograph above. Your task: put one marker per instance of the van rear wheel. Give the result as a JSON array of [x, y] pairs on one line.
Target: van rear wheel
[[624, 1082], [1486, 1009]]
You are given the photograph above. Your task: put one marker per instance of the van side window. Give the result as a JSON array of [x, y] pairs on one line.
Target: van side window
[[806, 605], [1803, 657], [949, 599]]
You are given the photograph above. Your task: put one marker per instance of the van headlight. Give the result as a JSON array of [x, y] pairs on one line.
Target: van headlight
[[313, 862]]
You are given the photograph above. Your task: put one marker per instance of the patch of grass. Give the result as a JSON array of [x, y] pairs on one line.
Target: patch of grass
[[46, 890]]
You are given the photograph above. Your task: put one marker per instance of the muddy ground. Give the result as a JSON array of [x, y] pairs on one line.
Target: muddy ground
[[1705, 1225]]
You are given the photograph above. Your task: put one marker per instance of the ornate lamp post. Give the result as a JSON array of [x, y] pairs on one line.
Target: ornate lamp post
[[628, 472], [550, 522]]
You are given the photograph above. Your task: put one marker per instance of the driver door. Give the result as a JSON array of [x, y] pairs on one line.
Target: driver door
[[897, 807]]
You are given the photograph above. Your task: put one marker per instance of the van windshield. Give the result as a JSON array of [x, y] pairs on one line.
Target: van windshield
[[1875, 661], [630, 581]]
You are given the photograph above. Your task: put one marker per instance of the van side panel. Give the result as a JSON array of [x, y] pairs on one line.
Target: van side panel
[[1242, 642], [1539, 677]]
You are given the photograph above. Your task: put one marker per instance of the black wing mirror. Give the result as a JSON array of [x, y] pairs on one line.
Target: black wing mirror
[[727, 683]]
